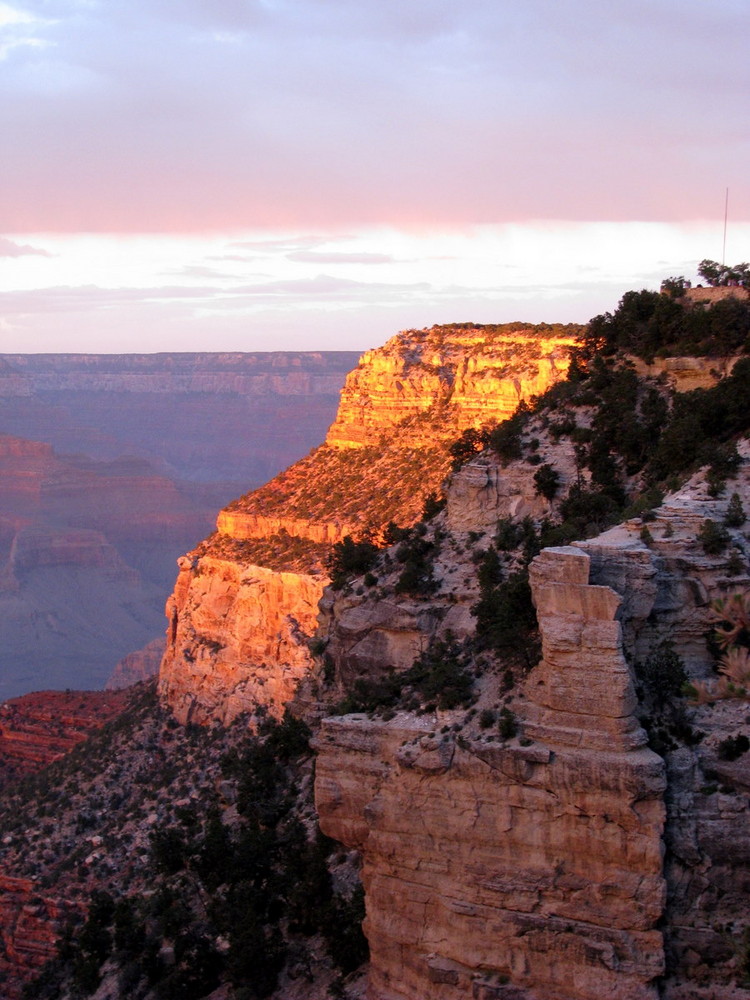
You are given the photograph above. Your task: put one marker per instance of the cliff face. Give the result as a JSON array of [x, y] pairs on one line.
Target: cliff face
[[189, 410], [570, 860], [479, 375], [237, 639], [29, 924], [71, 608], [142, 449], [537, 861], [36, 729], [386, 451], [83, 547]]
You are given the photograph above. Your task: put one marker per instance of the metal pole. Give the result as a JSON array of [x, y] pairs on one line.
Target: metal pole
[[724, 244]]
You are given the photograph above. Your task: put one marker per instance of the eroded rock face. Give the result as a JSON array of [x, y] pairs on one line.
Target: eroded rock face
[[38, 728], [137, 666], [238, 630], [237, 639], [535, 861], [29, 922], [242, 526], [482, 492], [482, 372]]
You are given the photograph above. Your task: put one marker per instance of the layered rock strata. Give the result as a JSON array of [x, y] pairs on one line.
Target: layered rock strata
[[28, 931], [39, 728], [482, 373], [137, 666], [237, 639], [535, 863], [386, 451], [411, 796]]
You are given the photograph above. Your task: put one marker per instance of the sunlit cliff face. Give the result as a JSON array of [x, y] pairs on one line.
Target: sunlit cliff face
[[470, 377], [239, 633]]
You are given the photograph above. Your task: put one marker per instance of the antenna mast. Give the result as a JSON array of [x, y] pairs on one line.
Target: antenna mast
[[724, 244]]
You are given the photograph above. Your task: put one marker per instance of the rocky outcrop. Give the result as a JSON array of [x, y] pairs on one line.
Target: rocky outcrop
[[237, 639], [476, 375], [535, 863], [685, 374], [45, 548], [245, 526], [137, 666], [413, 793], [29, 922], [386, 451]]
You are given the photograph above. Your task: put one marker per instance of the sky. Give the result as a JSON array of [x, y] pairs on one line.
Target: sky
[[318, 174]]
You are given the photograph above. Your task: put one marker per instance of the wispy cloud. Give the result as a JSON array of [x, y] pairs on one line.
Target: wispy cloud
[[9, 248], [332, 257]]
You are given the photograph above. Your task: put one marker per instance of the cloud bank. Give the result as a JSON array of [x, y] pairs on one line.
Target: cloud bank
[[187, 116]]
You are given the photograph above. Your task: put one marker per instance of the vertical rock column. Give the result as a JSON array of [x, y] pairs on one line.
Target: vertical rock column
[[529, 870]]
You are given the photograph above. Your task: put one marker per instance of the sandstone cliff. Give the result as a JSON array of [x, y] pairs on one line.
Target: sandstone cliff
[[466, 375], [237, 639], [540, 812], [570, 860], [386, 451], [536, 862]]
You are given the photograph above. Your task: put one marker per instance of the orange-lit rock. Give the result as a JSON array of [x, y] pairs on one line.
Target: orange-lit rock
[[238, 631], [245, 526], [237, 639], [38, 728], [29, 927], [478, 374]]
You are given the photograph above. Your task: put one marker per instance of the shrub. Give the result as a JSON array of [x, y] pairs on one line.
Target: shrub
[[439, 676], [713, 537], [587, 511], [417, 576], [469, 444], [505, 439], [506, 618], [735, 516], [343, 931], [662, 675], [733, 747], [547, 481], [487, 718], [507, 725], [433, 504], [508, 534], [350, 558]]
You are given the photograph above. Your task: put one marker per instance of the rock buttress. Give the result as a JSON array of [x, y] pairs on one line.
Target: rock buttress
[[530, 869], [237, 639]]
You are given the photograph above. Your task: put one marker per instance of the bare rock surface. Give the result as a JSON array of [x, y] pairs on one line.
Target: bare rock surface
[[237, 639], [38, 728], [386, 451]]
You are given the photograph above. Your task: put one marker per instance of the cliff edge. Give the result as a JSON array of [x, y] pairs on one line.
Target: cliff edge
[[244, 607]]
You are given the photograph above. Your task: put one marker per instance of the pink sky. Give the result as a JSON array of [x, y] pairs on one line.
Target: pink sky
[[359, 133]]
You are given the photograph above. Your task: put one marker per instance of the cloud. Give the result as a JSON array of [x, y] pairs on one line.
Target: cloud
[[8, 248], [84, 298], [333, 257], [204, 271], [331, 289], [182, 116]]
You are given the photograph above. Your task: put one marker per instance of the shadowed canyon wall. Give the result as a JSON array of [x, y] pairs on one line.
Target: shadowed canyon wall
[[133, 455]]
